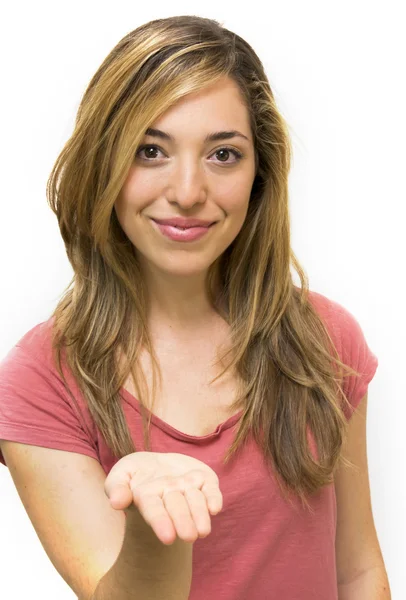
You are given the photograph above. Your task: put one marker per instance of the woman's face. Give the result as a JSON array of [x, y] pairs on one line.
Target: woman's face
[[188, 176]]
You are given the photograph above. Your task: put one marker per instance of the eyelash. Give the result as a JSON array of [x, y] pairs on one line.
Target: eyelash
[[238, 155]]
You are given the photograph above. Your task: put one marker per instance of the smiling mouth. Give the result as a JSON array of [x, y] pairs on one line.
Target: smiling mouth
[[192, 226], [182, 234], [184, 228]]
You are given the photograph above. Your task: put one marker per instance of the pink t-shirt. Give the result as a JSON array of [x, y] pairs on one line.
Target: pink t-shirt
[[259, 547]]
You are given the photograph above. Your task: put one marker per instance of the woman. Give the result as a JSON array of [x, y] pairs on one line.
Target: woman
[[259, 379]]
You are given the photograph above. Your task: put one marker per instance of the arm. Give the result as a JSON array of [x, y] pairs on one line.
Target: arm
[[361, 573], [90, 543], [373, 584], [147, 566]]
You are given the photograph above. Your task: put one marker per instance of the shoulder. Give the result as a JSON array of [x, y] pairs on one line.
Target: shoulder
[[342, 325], [30, 366], [35, 405], [36, 344], [350, 341], [328, 308]]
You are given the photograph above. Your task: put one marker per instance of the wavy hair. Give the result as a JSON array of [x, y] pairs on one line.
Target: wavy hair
[[290, 372]]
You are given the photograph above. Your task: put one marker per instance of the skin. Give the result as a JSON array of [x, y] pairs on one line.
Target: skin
[[190, 178]]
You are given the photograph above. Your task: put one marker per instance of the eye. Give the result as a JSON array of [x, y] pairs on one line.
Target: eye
[[145, 147], [148, 147], [237, 154]]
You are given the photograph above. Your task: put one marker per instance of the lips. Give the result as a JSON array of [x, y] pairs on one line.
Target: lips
[[183, 223], [178, 234]]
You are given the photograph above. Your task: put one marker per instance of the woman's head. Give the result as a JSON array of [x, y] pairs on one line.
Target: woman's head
[[192, 177], [190, 77]]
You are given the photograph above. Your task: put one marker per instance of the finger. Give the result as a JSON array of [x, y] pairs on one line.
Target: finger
[[199, 511], [178, 509], [154, 513], [117, 489], [209, 485], [214, 496], [166, 518], [121, 497]]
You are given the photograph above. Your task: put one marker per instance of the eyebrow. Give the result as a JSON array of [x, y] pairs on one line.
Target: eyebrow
[[211, 137]]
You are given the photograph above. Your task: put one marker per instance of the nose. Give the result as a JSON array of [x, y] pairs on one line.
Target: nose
[[188, 185]]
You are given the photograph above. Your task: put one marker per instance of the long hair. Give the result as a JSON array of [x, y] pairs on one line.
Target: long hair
[[290, 372]]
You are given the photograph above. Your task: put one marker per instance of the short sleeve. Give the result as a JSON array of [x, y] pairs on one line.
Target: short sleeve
[[35, 408], [355, 352]]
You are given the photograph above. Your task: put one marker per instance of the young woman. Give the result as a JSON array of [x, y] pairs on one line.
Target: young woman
[[172, 200]]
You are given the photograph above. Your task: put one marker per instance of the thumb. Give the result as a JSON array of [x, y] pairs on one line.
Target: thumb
[[121, 496], [118, 492]]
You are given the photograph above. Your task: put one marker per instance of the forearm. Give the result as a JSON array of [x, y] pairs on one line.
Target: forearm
[[370, 585], [146, 568]]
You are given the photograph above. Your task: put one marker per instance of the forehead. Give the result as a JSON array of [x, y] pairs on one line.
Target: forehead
[[217, 106]]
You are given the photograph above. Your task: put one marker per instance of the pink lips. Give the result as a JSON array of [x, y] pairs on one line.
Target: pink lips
[[182, 235]]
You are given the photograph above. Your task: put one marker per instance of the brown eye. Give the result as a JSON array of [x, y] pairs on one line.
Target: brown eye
[[220, 153], [149, 150], [224, 153]]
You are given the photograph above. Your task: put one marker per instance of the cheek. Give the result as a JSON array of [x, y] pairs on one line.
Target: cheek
[[235, 210], [135, 195], [234, 194], [144, 182], [234, 201]]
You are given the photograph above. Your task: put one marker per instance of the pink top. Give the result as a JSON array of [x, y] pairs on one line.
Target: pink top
[[259, 547]]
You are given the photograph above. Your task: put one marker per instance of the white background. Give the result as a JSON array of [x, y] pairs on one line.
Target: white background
[[338, 72]]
